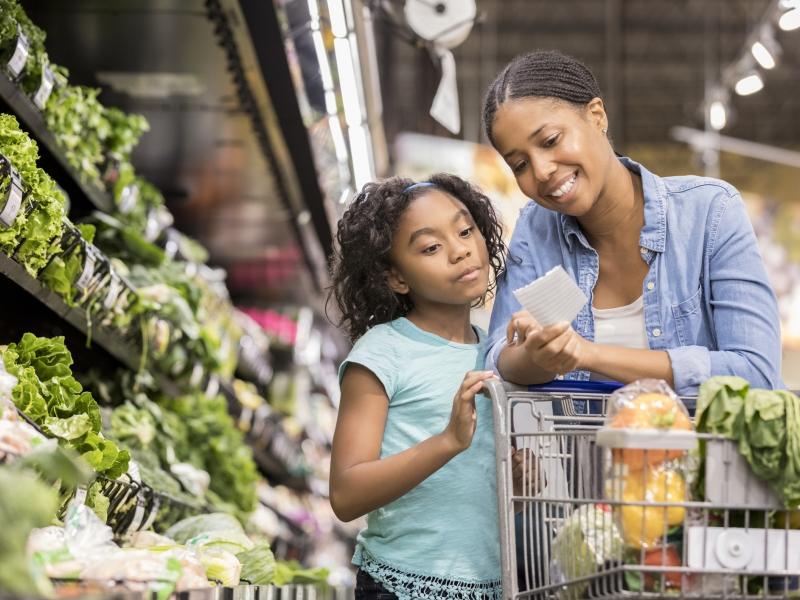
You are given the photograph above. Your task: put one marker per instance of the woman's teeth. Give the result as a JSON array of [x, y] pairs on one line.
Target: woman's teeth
[[565, 187]]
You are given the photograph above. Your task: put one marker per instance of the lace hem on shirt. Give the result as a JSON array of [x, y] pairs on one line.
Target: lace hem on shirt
[[408, 586]]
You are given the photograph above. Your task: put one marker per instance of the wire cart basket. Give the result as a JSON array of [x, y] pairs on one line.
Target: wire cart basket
[[570, 528]]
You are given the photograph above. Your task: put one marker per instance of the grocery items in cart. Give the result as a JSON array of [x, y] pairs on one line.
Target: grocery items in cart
[[621, 513]]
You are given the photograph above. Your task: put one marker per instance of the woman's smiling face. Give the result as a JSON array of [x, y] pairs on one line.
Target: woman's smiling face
[[557, 151]]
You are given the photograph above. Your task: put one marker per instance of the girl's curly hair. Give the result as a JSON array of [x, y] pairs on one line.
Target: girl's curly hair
[[364, 238]]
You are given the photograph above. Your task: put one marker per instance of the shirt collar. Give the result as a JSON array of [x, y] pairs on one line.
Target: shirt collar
[[654, 232]]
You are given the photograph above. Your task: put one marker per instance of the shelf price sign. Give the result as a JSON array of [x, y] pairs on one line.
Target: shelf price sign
[[45, 88], [114, 289], [17, 61], [13, 197], [128, 198], [89, 262]]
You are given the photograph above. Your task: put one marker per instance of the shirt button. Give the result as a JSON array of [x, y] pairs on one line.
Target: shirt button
[[656, 332], [650, 285]]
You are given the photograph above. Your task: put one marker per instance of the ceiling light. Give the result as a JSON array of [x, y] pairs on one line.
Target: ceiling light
[[762, 55], [361, 153], [749, 84], [790, 20], [717, 115], [348, 83]]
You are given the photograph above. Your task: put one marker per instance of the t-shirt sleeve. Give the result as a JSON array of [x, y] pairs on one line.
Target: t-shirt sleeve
[[374, 351]]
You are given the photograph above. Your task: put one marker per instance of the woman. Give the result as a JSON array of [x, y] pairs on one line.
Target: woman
[[677, 287]]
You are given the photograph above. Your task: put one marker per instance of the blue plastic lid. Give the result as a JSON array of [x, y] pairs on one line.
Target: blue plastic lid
[[563, 386]]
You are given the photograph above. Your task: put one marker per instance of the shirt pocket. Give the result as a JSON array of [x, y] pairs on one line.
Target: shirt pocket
[[690, 322]]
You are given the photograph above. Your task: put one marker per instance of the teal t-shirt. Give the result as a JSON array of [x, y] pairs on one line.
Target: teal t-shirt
[[443, 534]]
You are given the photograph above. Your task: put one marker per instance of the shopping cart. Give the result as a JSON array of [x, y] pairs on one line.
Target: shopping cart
[[561, 530]]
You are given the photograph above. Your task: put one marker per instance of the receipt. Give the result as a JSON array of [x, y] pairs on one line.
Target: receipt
[[552, 298]]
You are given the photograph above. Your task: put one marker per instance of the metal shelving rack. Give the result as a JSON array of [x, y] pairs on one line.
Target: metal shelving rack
[[82, 194], [109, 340]]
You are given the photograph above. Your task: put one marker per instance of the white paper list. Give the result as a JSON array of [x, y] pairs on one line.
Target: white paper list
[[552, 297]]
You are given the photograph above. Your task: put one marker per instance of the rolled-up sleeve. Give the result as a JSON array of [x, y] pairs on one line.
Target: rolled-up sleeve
[[743, 307], [691, 366]]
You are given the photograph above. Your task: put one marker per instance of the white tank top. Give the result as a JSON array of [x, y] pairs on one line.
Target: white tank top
[[621, 325]]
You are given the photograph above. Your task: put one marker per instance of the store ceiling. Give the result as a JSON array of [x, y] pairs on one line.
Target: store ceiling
[[161, 58], [650, 56]]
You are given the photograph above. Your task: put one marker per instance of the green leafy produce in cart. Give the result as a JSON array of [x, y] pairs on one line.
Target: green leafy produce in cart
[[764, 423]]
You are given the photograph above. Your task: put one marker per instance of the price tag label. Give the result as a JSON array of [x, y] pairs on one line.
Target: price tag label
[[80, 495], [88, 270], [138, 514], [196, 376], [13, 199], [156, 504], [45, 89], [20, 56], [114, 289], [213, 386], [128, 198]]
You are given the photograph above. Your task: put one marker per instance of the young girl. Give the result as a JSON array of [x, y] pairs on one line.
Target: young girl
[[413, 447]]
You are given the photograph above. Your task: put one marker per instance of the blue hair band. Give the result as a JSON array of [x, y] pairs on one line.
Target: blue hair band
[[421, 184]]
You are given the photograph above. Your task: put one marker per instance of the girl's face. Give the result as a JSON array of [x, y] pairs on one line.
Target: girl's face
[[559, 154], [438, 255]]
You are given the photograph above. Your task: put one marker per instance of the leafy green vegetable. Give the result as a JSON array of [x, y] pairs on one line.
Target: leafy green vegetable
[[586, 540], [38, 225], [76, 118], [49, 394], [292, 572], [195, 526], [25, 503], [258, 564], [766, 425]]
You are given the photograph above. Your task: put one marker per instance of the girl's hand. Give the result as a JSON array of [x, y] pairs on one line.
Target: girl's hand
[[463, 418], [556, 348]]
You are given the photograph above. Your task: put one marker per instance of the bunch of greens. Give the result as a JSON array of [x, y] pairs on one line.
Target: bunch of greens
[[77, 119], [291, 571], [39, 223], [11, 15], [49, 395], [8, 29], [65, 267], [125, 131], [121, 240], [26, 503], [217, 446], [766, 425]]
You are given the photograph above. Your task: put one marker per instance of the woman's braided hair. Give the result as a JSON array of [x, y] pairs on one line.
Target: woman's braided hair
[[541, 73], [359, 287]]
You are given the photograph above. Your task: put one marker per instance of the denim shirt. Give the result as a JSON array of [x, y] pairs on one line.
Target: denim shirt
[[707, 300]]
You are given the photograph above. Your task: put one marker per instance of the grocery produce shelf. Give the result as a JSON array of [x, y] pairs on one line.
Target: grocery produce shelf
[[53, 159], [110, 341]]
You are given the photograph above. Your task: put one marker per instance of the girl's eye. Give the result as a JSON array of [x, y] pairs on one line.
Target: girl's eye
[[466, 232], [431, 249], [551, 141], [518, 168]]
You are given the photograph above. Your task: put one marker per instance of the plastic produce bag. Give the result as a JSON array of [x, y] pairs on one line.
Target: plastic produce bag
[[587, 541], [649, 432], [65, 551], [647, 404]]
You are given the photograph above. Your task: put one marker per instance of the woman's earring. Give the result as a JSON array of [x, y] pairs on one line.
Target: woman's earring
[[604, 130]]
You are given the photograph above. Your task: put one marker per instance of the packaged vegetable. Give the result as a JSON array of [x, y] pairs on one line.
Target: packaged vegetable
[[647, 404], [587, 540]]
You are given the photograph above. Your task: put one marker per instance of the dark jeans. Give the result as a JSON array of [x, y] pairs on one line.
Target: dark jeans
[[369, 589]]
